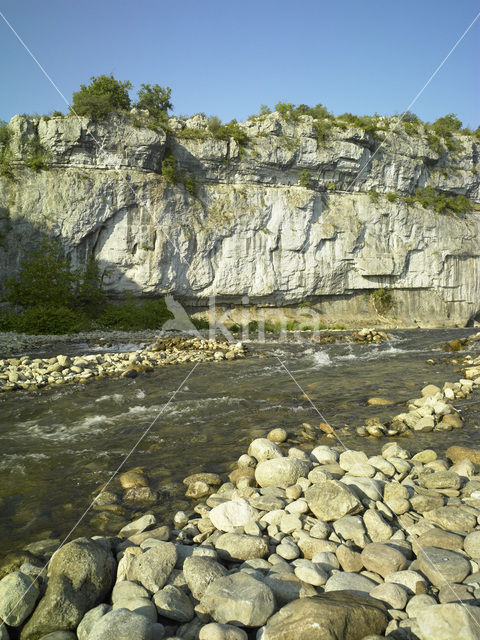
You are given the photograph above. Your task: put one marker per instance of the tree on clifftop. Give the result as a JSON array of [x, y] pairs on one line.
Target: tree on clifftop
[[102, 96], [155, 99]]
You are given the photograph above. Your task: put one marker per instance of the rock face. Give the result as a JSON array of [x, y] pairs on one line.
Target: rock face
[[329, 616], [250, 228], [81, 574]]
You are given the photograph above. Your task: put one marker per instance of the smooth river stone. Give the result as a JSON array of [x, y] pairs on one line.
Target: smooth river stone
[[331, 500], [241, 547], [351, 582], [153, 568], [452, 518], [264, 449], [329, 616], [441, 539], [239, 599], [280, 472], [449, 622], [383, 559], [234, 513], [18, 595], [441, 566], [440, 480], [199, 572]]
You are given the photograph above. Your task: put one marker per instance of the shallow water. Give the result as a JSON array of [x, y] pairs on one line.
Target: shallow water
[[59, 446]]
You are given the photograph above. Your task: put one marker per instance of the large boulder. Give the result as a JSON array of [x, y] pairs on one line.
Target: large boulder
[[18, 595], [281, 472], [331, 500], [153, 568], [441, 566], [451, 621], [81, 575], [231, 514], [328, 616], [199, 572], [122, 624], [239, 599], [240, 547]]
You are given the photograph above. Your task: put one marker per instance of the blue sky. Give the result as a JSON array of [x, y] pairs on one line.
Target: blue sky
[[227, 57]]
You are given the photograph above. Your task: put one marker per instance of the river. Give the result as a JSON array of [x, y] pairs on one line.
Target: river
[[59, 446]]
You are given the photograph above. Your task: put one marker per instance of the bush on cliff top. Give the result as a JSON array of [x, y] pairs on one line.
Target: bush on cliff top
[[101, 97]]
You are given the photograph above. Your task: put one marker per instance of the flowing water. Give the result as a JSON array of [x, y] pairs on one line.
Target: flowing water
[[59, 446]]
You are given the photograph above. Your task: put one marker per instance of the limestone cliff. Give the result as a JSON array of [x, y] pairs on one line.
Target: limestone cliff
[[244, 226]]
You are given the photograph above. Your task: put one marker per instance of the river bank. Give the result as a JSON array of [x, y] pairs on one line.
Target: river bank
[[292, 520], [326, 542]]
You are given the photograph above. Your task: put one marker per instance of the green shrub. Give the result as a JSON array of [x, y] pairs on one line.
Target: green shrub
[[411, 128], [45, 279], [367, 123], [169, 168], [447, 125], [226, 131], [322, 129], [201, 323], [214, 124], [36, 158], [49, 319], [391, 196], [382, 300], [133, 315], [156, 100], [429, 197], [304, 179], [373, 194], [174, 175], [435, 143], [102, 96], [89, 292], [286, 110]]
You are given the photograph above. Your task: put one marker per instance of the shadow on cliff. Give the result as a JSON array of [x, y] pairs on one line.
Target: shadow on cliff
[[19, 237]]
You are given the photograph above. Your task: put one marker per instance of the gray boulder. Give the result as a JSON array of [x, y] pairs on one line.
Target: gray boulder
[[81, 575], [121, 624], [90, 619], [449, 622], [441, 565], [241, 547], [174, 604], [351, 582], [153, 568], [328, 616], [199, 572], [331, 500], [142, 606], [239, 599], [281, 472], [18, 595]]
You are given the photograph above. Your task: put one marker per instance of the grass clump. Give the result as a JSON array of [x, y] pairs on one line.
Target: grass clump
[[305, 179], [430, 198], [174, 175], [226, 131], [36, 158]]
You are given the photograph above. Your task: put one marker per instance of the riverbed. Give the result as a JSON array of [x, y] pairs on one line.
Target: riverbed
[[59, 446]]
